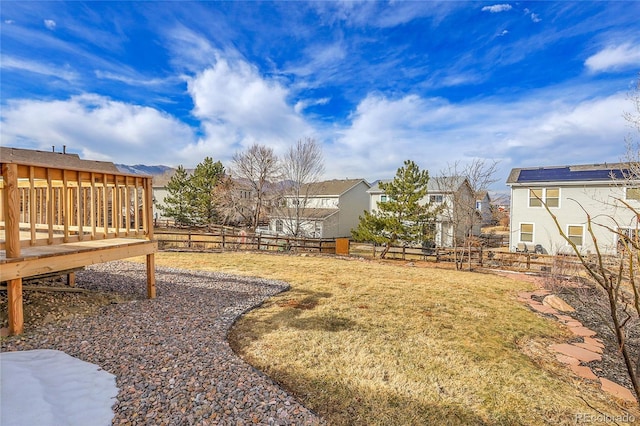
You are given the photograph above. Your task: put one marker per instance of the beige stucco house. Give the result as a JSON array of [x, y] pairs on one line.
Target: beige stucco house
[[458, 215], [328, 209], [570, 193]]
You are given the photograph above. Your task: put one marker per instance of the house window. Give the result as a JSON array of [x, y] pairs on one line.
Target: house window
[[279, 226], [526, 232], [632, 193], [478, 205], [575, 234], [548, 196], [552, 197], [535, 198], [627, 236], [383, 198], [436, 199]]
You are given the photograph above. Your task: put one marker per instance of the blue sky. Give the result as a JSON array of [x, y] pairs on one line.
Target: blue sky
[[522, 83]]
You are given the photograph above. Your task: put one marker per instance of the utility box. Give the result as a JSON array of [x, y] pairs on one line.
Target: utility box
[[342, 246]]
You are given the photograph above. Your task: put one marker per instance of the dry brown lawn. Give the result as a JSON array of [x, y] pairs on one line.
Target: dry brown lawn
[[366, 343]]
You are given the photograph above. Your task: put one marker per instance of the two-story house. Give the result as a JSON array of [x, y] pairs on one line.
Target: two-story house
[[328, 209], [572, 194], [483, 206], [458, 216]]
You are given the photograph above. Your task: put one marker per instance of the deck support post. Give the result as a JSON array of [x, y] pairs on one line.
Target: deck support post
[[14, 306], [71, 279], [11, 206], [151, 276]]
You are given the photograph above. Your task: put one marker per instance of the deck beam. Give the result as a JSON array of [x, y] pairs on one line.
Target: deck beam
[[70, 256]]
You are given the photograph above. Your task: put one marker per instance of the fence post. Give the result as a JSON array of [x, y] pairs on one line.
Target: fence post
[[481, 254], [189, 239], [528, 260], [404, 252], [223, 239], [259, 237]]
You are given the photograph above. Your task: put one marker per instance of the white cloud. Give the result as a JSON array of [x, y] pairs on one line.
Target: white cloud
[[503, 33], [189, 50], [50, 24], [384, 132], [300, 106], [13, 63], [238, 107], [613, 58], [134, 79], [497, 8], [96, 127], [535, 17]]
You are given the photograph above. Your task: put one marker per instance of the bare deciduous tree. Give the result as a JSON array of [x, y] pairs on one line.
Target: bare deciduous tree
[[302, 166], [480, 175], [255, 171], [617, 276]]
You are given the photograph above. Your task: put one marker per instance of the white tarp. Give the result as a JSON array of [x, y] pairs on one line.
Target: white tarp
[[47, 387]]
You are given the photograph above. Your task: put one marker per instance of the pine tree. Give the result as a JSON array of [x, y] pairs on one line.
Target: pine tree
[[178, 202], [204, 182], [403, 218]]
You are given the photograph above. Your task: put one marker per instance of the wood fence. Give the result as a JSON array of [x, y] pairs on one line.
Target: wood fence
[[476, 257], [230, 239], [223, 239]]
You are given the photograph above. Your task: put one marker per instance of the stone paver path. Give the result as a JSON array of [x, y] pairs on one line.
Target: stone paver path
[[574, 354]]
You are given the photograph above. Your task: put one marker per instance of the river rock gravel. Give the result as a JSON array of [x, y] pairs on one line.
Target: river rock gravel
[[170, 356]]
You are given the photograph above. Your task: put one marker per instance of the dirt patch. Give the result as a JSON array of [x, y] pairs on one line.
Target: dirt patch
[[52, 304]]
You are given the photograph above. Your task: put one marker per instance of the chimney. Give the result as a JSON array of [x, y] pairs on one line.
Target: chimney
[[64, 149]]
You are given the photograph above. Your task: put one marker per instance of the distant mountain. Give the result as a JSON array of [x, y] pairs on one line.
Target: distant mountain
[[141, 169]]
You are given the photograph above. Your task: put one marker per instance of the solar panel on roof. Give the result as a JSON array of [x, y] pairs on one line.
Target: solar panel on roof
[[566, 174]]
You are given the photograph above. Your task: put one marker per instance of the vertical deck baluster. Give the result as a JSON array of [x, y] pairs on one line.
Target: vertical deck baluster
[[93, 210], [32, 205]]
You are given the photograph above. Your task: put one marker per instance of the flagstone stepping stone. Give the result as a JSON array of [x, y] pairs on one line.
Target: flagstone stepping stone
[[594, 342], [582, 354], [557, 303], [542, 308], [564, 318], [566, 359], [590, 347], [582, 331], [583, 371], [617, 390], [541, 292]]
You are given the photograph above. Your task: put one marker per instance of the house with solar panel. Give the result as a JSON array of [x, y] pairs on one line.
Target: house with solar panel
[[572, 194]]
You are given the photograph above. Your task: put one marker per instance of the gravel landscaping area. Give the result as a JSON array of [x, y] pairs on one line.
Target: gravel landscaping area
[[170, 355]]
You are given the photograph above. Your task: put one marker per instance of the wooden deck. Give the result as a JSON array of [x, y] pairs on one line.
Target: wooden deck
[[56, 215], [41, 260]]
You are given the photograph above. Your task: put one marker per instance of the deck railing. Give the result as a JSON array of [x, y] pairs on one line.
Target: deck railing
[[43, 208], [53, 206], [47, 205]]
